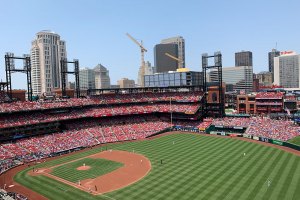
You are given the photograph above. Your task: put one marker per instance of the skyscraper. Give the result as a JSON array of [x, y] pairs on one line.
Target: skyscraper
[[87, 79], [46, 52], [287, 69], [148, 71], [102, 79], [181, 48], [243, 58], [163, 63], [271, 55], [241, 77]]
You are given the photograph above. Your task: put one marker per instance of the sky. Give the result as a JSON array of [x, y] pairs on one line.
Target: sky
[[95, 30]]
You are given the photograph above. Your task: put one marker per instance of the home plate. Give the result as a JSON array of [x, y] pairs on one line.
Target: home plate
[[11, 186]]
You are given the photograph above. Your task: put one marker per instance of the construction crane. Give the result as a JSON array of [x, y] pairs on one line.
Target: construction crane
[[175, 58], [143, 50]]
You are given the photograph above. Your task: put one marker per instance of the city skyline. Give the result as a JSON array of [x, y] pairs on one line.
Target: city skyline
[[94, 31]]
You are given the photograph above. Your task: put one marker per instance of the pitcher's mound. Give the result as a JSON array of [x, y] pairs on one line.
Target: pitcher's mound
[[83, 168]]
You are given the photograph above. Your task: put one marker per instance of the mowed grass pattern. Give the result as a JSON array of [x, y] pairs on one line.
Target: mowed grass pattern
[[295, 140], [195, 167], [98, 167]]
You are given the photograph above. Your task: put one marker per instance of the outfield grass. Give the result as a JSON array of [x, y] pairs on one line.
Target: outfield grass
[[195, 167], [295, 140], [98, 167]]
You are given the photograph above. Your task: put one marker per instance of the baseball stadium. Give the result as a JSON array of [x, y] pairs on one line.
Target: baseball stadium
[[145, 143]]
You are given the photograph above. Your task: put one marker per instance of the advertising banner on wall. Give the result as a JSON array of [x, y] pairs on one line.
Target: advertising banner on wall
[[278, 142], [255, 138], [247, 136]]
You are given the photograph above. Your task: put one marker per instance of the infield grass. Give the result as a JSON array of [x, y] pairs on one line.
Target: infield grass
[[98, 167], [194, 167]]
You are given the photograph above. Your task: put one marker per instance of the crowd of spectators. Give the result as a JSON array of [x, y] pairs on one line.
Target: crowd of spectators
[[4, 195], [44, 105], [205, 124], [148, 97], [232, 121], [11, 195], [275, 129], [27, 118], [262, 127], [3, 97], [102, 99], [89, 133]]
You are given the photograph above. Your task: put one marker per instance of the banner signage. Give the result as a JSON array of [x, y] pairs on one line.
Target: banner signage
[[219, 126], [238, 127], [278, 142], [247, 136], [255, 138]]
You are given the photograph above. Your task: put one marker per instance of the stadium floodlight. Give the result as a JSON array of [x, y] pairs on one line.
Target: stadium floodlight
[[25, 62], [11, 61]]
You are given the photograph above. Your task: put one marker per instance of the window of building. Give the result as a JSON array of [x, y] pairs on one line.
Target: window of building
[[214, 97]]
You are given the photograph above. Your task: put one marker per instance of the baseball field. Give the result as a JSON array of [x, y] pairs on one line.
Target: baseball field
[[182, 166]]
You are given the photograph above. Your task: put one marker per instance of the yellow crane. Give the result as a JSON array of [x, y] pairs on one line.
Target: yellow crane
[[175, 58], [143, 50]]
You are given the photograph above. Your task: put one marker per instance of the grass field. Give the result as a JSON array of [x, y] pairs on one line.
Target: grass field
[[295, 140], [195, 167], [98, 168]]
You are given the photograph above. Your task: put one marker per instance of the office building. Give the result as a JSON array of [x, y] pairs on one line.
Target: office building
[[177, 78], [126, 83], [148, 71], [265, 78], [163, 63], [241, 78], [102, 79], [243, 58], [86, 79], [46, 52], [271, 55], [287, 69], [179, 41]]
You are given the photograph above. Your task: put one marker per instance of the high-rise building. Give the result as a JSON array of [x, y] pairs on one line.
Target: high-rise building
[[102, 79], [243, 58], [148, 71], [287, 69], [271, 55], [241, 78], [181, 48], [126, 83], [86, 79], [163, 63], [46, 52]]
